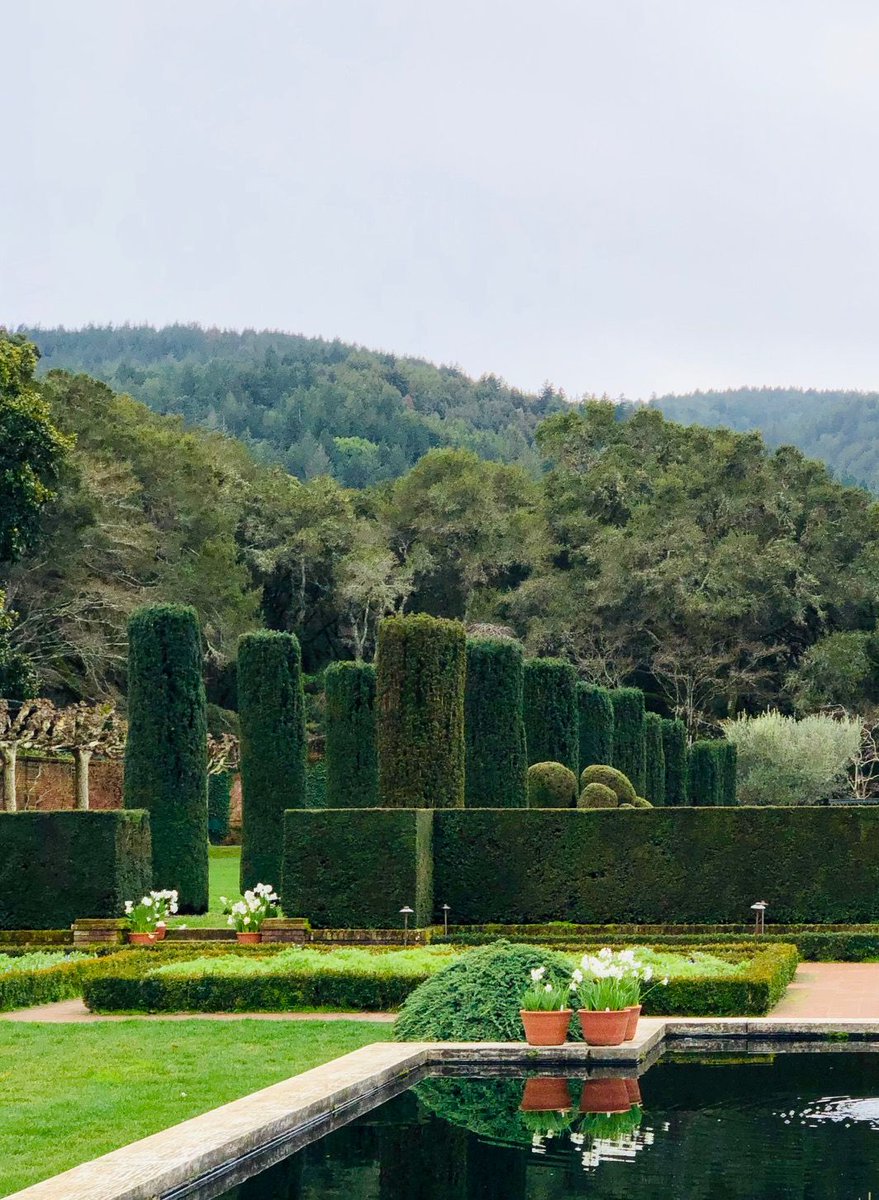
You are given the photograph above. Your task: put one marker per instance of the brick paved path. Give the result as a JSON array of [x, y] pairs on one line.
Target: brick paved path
[[832, 990]]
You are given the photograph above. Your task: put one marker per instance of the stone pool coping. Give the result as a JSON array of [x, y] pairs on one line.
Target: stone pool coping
[[164, 1162]]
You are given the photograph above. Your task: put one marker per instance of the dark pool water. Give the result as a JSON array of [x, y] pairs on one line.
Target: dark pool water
[[780, 1127]]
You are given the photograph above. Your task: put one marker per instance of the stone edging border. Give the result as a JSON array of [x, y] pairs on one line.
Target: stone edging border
[[165, 1162]]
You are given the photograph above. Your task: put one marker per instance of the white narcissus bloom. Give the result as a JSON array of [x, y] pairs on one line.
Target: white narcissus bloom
[[246, 921], [147, 902], [129, 908], [577, 976], [547, 987], [537, 974], [665, 982], [647, 974]]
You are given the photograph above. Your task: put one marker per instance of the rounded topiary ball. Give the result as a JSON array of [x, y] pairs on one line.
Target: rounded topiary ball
[[640, 802], [551, 785], [597, 795], [618, 783]]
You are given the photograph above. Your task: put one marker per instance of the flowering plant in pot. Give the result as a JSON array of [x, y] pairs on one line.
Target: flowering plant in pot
[[147, 917], [603, 994], [545, 1011], [246, 916]]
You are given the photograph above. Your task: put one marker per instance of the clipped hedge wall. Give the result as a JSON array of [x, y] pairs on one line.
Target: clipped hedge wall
[[351, 757], [356, 868], [166, 769], [674, 748], [494, 728], [629, 751], [595, 712], [271, 711], [752, 993], [657, 865], [421, 672], [654, 755], [551, 715], [58, 866], [219, 806]]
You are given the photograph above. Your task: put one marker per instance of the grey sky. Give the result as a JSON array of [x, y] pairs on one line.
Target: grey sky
[[618, 195]]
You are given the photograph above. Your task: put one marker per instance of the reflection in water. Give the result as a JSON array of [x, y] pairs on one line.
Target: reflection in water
[[796, 1127]]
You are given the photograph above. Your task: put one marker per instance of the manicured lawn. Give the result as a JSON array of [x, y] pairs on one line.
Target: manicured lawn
[[225, 862], [69, 1093]]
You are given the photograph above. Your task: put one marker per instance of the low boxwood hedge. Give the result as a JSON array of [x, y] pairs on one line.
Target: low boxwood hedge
[[44, 985]]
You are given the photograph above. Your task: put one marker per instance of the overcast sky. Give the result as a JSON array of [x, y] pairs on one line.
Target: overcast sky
[[621, 196]]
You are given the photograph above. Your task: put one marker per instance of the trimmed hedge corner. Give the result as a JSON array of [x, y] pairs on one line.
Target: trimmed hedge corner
[[58, 866], [420, 676], [493, 725], [356, 868]]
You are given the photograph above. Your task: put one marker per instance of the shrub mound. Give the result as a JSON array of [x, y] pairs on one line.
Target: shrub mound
[[551, 785], [598, 795], [610, 777], [478, 998], [640, 802]]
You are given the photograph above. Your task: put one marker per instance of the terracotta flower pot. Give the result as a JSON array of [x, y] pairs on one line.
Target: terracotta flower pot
[[606, 1028], [248, 939], [159, 933], [546, 1093], [546, 1028], [605, 1096], [633, 1090], [634, 1012], [142, 939]]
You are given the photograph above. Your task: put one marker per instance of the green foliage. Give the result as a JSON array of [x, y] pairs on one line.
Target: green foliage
[[610, 777], [641, 802], [478, 997], [166, 751], [494, 728], [316, 784], [663, 865], [785, 761], [753, 991], [34, 979], [314, 407], [356, 868], [629, 748], [841, 669], [674, 748], [598, 795], [596, 724], [705, 774], [32, 450], [271, 710], [654, 759], [351, 759], [219, 804], [17, 678], [56, 867], [350, 980], [551, 714], [728, 767], [551, 785], [421, 671]]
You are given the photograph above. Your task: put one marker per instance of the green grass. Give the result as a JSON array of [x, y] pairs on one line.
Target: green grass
[[113, 1083], [222, 881], [37, 960], [380, 961]]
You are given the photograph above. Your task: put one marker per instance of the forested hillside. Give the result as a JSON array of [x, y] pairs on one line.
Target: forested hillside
[[314, 407], [718, 575], [839, 428]]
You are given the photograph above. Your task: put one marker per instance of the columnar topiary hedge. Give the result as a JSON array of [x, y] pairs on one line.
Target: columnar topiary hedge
[[595, 712], [357, 868], [629, 752], [668, 865], [705, 774], [58, 866], [494, 728], [166, 752], [550, 707], [728, 754], [421, 670], [674, 748], [271, 710], [654, 755], [351, 758], [219, 806]]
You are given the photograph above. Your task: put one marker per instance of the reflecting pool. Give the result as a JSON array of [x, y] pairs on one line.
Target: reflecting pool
[[788, 1126]]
